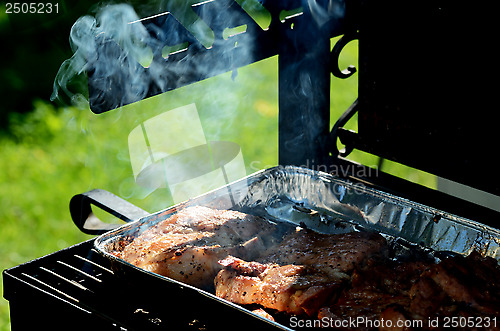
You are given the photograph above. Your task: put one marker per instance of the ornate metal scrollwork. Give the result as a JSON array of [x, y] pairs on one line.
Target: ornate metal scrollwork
[[335, 53], [334, 134]]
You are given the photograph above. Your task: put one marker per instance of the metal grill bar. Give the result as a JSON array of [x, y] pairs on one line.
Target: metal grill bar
[[79, 271], [50, 287], [72, 282], [93, 263]]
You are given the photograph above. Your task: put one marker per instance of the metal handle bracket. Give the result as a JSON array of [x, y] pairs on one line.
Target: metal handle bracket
[[85, 219]]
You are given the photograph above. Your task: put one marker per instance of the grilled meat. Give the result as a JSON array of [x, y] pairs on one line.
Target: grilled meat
[[293, 289], [368, 304], [379, 289], [300, 274], [470, 282], [328, 253], [419, 290], [298, 271], [187, 246]]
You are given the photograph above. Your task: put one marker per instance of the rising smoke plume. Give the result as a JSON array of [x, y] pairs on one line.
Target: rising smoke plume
[[111, 23], [121, 56], [124, 60]]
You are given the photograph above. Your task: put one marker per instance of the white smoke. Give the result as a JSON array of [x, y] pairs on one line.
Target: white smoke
[[124, 60], [121, 56], [328, 11]]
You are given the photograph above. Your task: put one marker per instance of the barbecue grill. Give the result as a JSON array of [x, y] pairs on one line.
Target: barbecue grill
[[425, 100]]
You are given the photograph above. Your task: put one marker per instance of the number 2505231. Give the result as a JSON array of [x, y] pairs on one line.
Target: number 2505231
[[31, 8]]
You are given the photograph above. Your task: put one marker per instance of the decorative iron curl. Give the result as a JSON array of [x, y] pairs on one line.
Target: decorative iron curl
[[335, 53]]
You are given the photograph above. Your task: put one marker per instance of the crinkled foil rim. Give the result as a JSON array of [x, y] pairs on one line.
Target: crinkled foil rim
[[329, 204]]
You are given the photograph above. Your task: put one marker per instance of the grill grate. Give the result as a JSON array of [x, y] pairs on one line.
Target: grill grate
[[76, 278], [82, 282], [76, 289]]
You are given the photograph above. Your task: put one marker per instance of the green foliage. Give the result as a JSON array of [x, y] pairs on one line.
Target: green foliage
[[40, 170]]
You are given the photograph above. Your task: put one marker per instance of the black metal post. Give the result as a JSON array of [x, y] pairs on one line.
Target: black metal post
[[304, 93]]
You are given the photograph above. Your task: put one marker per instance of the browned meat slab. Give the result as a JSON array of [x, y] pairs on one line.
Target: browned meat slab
[[328, 253], [379, 290], [365, 303], [291, 288], [422, 291], [187, 246], [472, 282], [299, 274], [251, 261]]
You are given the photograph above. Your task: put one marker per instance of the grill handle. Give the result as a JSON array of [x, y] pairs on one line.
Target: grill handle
[[84, 218]]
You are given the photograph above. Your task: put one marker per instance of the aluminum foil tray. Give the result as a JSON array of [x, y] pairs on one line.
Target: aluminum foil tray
[[321, 202], [328, 204]]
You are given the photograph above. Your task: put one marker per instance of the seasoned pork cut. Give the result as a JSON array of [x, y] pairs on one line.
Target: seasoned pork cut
[[328, 253], [282, 268], [471, 281], [420, 290], [379, 289], [300, 274], [187, 246], [293, 289]]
